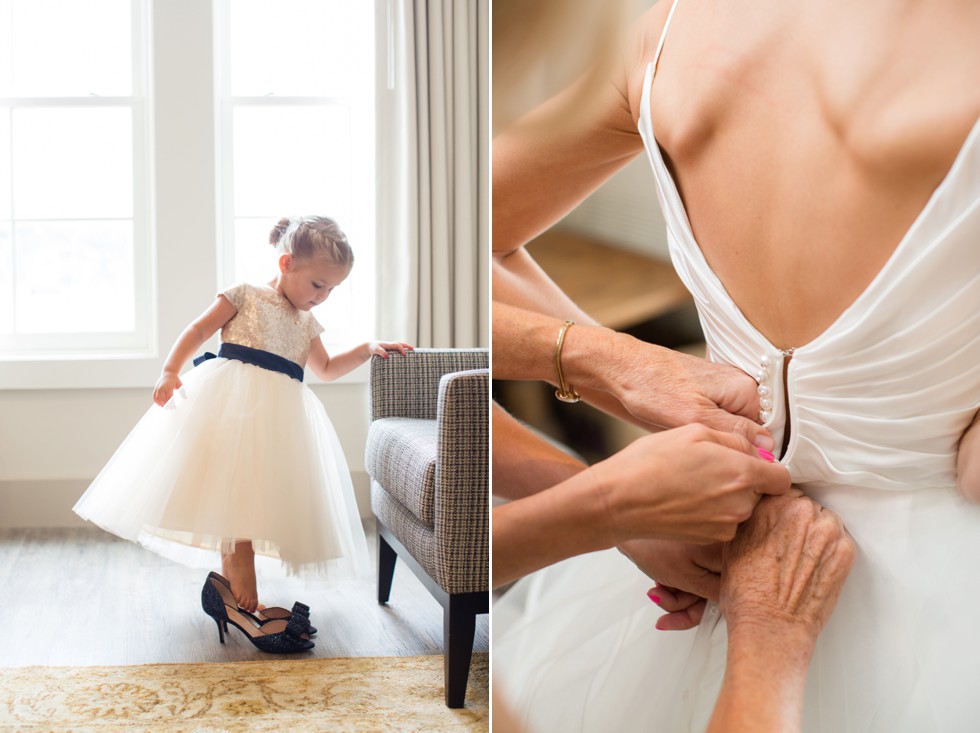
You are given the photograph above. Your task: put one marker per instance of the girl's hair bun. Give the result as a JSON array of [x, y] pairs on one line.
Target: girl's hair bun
[[278, 230]]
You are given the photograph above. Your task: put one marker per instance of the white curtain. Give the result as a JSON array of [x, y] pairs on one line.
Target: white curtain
[[433, 171]]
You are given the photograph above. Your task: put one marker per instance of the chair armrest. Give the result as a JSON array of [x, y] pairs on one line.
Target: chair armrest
[[408, 386], [462, 479]]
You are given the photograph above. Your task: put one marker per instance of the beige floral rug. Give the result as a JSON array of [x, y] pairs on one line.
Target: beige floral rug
[[347, 694]]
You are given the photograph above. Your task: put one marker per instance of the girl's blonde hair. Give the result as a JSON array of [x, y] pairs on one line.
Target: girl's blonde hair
[[312, 236]]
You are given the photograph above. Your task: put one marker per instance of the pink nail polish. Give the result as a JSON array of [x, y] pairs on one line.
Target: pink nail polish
[[655, 599], [766, 454]]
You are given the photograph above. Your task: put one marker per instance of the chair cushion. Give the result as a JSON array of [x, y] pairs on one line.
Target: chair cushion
[[401, 456]]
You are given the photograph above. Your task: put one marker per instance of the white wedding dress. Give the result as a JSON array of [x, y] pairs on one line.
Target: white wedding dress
[[877, 405]]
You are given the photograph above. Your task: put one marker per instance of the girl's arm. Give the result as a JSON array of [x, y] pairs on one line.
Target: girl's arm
[[968, 463], [328, 367], [192, 339]]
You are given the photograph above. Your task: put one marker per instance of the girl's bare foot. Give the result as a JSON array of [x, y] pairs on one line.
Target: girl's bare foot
[[239, 568]]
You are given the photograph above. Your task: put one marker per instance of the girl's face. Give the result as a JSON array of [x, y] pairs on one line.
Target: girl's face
[[307, 282]]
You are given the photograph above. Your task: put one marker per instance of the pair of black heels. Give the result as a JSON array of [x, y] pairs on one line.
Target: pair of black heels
[[274, 630]]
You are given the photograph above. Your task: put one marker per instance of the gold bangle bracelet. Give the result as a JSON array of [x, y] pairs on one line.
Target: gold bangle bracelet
[[564, 394]]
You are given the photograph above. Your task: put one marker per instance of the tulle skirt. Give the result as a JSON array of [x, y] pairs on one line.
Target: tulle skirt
[[575, 648], [240, 453]]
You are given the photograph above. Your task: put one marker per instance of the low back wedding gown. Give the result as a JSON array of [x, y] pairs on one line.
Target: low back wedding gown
[[874, 408]]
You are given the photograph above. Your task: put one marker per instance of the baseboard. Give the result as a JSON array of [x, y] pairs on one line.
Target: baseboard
[[48, 503]]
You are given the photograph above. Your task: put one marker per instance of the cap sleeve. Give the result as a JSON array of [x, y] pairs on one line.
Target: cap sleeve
[[235, 295], [315, 328]]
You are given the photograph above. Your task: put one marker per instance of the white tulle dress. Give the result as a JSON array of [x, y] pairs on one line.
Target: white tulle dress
[[241, 452], [877, 405]]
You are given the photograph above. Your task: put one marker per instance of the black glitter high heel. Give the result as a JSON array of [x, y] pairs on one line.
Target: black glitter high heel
[[301, 612], [276, 636]]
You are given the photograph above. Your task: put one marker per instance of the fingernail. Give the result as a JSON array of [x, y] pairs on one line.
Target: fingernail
[[765, 442], [654, 598], [766, 454]]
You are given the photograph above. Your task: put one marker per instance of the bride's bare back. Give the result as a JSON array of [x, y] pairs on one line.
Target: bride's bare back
[[805, 139]]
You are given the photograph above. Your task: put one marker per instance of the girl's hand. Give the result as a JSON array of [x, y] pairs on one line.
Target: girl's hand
[[381, 348], [165, 386]]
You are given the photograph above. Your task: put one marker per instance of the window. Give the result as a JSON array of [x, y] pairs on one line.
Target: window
[[75, 246], [296, 130]]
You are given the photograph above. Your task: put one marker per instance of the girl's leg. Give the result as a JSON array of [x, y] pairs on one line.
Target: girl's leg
[[239, 568]]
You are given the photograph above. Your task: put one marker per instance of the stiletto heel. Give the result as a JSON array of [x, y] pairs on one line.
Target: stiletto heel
[[275, 637]]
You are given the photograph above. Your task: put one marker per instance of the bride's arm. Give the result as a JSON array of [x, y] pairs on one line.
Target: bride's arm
[[968, 463]]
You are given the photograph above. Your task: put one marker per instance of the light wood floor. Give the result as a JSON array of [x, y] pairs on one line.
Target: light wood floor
[[81, 596]]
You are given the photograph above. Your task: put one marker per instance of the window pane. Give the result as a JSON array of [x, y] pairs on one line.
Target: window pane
[[73, 163], [292, 160], [5, 162], [95, 35], [6, 280], [255, 258], [292, 47], [74, 277]]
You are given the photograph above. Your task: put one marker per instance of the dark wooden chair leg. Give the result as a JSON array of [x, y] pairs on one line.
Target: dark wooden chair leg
[[459, 622], [386, 568]]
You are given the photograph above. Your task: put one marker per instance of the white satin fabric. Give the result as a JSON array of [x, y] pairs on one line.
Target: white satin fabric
[[877, 405]]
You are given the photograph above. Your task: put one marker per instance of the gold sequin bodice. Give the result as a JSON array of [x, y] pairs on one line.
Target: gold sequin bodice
[[267, 320]]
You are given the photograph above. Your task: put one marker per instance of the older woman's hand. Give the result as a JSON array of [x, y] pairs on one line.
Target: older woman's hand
[[648, 385], [783, 572], [781, 577]]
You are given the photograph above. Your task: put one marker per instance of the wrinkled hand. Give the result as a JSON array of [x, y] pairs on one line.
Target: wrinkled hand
[[381, 348], [692, 484], [668, 388], [784, 571], [165, 387]]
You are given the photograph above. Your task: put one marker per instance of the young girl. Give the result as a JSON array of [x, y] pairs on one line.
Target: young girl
[[238, 455]]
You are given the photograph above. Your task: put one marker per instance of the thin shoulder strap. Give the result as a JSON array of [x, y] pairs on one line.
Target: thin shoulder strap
[[663, 37]]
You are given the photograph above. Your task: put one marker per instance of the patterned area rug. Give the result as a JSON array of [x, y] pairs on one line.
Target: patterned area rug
[[348, 694]]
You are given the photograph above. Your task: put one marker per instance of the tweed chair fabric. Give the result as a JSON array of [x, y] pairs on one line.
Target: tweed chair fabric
[[462, 477], [408, 386], [419, 539], [401, 456]]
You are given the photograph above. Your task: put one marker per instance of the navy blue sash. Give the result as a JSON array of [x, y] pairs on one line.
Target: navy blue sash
[[264, 359]]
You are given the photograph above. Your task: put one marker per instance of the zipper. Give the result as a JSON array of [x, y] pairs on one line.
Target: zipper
[[787, 426]]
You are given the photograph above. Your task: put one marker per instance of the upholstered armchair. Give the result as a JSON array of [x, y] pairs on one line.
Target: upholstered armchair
[[428, 456]]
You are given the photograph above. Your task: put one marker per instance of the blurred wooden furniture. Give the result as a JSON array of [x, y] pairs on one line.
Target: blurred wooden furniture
[[617, 287]]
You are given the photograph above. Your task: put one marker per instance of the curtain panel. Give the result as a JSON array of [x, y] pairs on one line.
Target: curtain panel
[[433, 250]]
